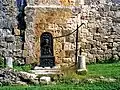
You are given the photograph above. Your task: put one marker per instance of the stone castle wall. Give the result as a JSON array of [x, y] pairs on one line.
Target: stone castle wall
[[6, 29], [10, 41], [99, 38]]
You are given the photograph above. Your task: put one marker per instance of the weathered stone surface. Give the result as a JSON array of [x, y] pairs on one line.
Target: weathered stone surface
[[45, 80], [12, 77], [82, 71], [119, 54], [6, 22], [113, 8], [93, 51], [118, 48], [3, 45], [99, 36], [10, 38], [66, 60], [9, 62]]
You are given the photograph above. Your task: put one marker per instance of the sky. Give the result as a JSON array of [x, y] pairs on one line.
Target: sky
[[116, 1]]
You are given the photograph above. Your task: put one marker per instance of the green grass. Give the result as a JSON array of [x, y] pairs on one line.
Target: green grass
[[94, 70], [87, 86], [25, 68], [108, 70]]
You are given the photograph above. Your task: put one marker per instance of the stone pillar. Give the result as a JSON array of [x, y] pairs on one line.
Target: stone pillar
[[9, 62], [81, 65], [81, 62], [9, 53]]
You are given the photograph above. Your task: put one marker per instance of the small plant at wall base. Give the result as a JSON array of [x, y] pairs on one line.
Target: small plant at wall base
[[25, 68]]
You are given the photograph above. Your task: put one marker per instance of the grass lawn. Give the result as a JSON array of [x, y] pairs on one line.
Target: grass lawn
[[94, 70], [108, 70]]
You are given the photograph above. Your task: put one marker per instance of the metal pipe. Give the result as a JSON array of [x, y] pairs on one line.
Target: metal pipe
[[76, 51]]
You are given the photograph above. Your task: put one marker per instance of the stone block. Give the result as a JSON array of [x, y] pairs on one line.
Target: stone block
[[119, 54], [110, 40], [3, 45], [108, 56], [112, 36], [114, 48], [84, 40], [7, 53], [45, 80], [109, 46], [100, 52], [11, 46], [104, 47], [30, 2], [118, 48], [29, 18], [104, 40], [4, 52], [2, 39], [108, 51], [116, 20], [88, 46], [117, 40], [82, 71], [107, 7], [116, 56], [114, 52], [90, 56], [66, 60], [96, 37], [113, 8], [17, 52], [93, 51], [117, 14], [115, 44], [64, 65], [10, 38], [105, 37], [9, 62]]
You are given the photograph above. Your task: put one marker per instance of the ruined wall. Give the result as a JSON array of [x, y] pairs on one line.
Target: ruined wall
[[6, 29], [98, 38], [101, 33], [10, 41], [53, 20]]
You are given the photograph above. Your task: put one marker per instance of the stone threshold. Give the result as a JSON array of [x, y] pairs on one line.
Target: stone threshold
[[46, 70]]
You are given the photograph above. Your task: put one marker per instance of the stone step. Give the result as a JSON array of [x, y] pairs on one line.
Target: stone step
[[47, 68], [46, 72]]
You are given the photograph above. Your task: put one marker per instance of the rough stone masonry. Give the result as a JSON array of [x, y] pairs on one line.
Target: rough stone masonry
[[99, 38], [6, 30]]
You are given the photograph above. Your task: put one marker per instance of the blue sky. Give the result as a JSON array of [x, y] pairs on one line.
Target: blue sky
[[116, 1]]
